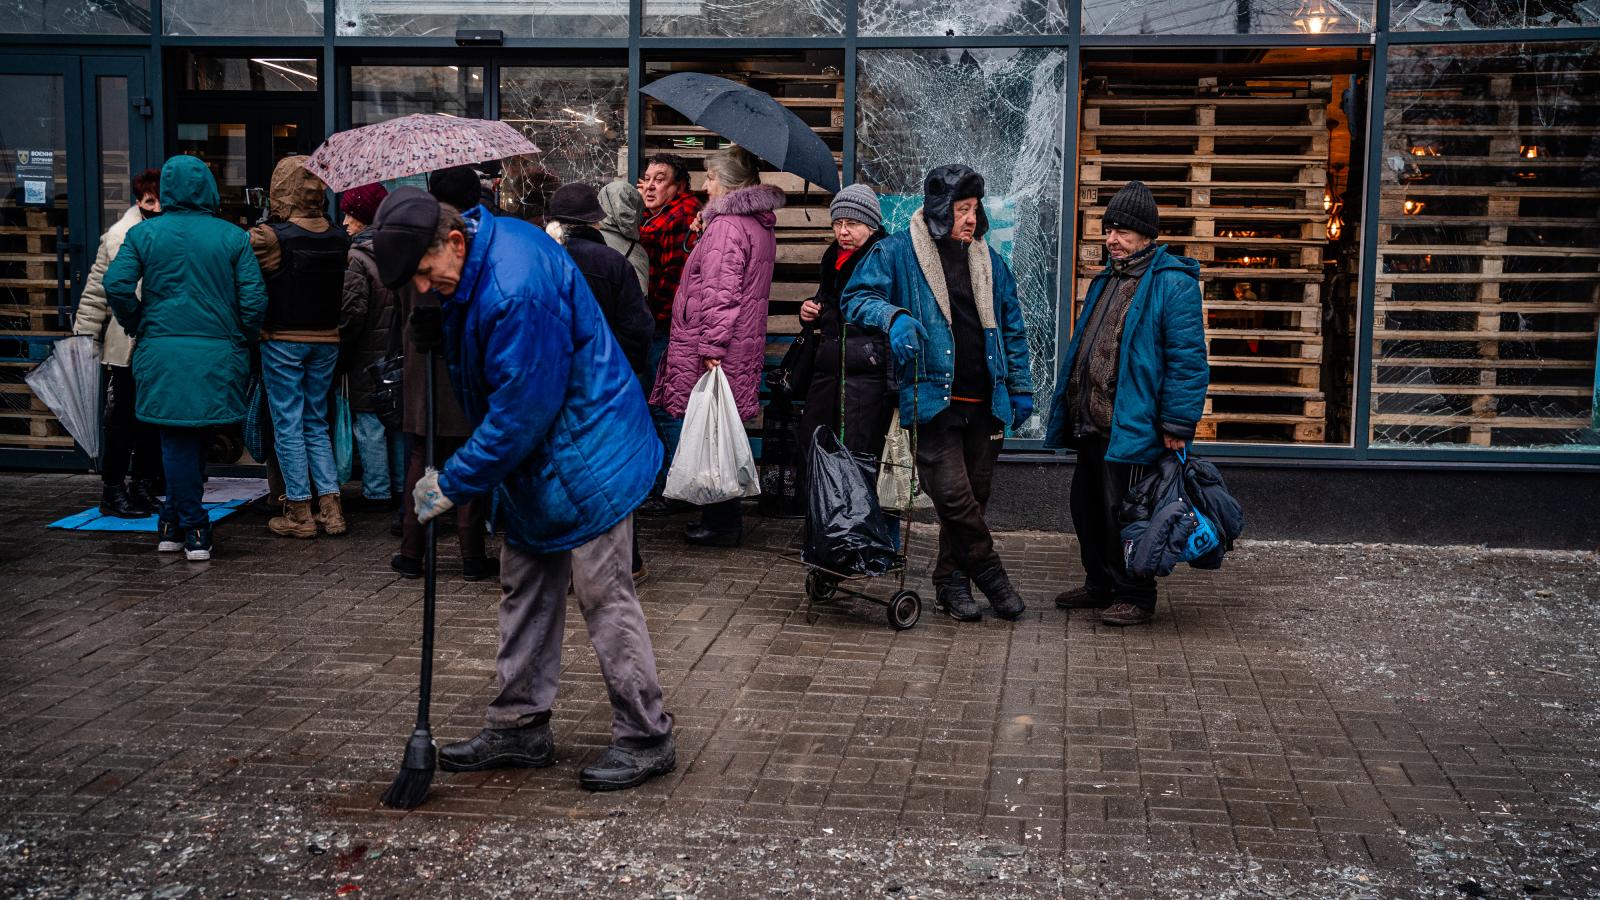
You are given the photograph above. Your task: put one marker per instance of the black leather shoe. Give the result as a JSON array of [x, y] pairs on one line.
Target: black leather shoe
[[478, 568], [143, 493], [701, 536], [406, 566], [530, 747], [1003, 598], [661, 506], [115, 501], [1082, 598], [954, 597], [623, 767]]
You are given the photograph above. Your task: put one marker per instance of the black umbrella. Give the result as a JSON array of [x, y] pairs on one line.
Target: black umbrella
[[752, 120]]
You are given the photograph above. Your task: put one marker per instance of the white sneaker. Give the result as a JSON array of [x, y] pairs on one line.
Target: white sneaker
[[168, 538]]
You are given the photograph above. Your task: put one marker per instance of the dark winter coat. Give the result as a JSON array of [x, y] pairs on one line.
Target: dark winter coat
[[198, 309], [1165, 514], [366, 322], [615, 286], [869, 382], [450, 420]]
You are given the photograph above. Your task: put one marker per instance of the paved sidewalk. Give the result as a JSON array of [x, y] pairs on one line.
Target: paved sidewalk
[[1311, 721]]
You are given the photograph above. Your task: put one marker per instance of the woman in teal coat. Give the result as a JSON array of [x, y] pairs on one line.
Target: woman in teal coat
[[199, 309]]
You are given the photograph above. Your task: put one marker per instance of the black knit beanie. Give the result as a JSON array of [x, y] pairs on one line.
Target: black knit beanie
[[1134, 209]]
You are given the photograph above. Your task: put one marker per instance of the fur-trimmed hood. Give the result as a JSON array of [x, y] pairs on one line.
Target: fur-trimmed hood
[[760, 201]]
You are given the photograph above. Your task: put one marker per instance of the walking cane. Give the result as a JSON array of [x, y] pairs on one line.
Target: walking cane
[[410, 787]]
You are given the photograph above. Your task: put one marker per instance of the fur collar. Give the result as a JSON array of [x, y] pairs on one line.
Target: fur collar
[[759, 198], [933, 271]]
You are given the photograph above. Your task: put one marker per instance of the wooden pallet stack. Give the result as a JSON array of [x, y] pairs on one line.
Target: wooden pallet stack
[[1489, 279], [1239, 169], [29, 319], [816, 94]]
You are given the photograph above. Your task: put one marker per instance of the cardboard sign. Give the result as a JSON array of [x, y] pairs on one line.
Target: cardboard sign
[[36, 177]]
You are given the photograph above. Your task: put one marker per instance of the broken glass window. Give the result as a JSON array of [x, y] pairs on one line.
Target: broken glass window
[[1469, 15], [381, 93], [1308, 17], [76, 17], [577, 116], [517, 18], [1000, 111], [258, 17], [1489, 271], [952, 18], [743, 18]]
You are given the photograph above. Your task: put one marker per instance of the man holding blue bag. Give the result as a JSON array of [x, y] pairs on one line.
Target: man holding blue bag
[[1132, 386]]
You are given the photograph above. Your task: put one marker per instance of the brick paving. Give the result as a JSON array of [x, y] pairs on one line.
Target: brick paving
[[1311, 721]]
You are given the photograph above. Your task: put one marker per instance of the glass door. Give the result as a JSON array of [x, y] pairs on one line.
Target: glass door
[[241, 143]]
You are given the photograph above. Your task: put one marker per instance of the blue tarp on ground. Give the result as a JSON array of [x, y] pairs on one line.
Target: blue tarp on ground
[[223, 498]]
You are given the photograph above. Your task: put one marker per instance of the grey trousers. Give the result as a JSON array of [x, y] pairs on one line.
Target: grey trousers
[[533, 614]]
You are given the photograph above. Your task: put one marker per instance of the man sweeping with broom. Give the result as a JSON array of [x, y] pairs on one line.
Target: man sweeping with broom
[[564, 442]]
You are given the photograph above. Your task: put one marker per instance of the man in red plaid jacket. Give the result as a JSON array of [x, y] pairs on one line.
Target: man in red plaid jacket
[[668, 238]]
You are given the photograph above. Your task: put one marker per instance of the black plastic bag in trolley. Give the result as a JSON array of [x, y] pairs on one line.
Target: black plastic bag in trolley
[[846, 531]]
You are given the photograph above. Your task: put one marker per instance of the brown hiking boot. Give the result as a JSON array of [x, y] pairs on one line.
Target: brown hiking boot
[[1082, 598], [296, 520], [1125, 614], [330, 515]]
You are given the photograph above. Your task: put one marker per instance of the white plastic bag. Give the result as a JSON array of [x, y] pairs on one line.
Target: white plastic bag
[[894, 475], [713, 462]]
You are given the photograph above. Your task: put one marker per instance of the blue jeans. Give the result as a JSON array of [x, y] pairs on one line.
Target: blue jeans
[[183, 457], [297, 377], [667, 427], [383, 458]]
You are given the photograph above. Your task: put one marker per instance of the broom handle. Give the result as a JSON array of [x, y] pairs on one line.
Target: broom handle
[[430, 560]]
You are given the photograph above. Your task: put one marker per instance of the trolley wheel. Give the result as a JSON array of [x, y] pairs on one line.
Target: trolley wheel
[[905, 610], [820, 587]]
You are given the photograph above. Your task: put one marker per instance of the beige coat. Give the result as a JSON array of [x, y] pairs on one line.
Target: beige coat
[[94, 314]]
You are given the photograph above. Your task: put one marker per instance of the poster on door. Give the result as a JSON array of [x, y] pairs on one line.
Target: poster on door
[[36, 177]]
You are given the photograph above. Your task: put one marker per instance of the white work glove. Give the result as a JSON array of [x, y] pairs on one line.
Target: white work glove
[[430, 502]]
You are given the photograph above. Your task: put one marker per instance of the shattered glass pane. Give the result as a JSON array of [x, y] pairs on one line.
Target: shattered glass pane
[[999, 111], [517, 18], [1470, 15], [257, 17], [952, 18], [1227, 17], [75, 17], [381, 93], [743, 18], [578, 117], [1489, 286], [205, 71]]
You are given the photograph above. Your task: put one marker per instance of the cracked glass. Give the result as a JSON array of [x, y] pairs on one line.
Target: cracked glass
[[1489, 246], [381, 93], [1308, 17], [743, 18], [257, 17], [952, 19], [76, 17], [517, 18], [577, 116], [999, 111], [1465, 15]]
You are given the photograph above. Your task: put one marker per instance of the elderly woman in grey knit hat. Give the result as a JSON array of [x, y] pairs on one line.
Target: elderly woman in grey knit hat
[[859, 356]]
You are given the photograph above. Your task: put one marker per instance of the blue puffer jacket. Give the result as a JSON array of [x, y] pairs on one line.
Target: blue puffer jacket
[[1162, 372], [563, 437], [897, 275]]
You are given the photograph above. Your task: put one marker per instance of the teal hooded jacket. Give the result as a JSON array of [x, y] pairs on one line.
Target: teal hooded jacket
[[1162, 373], [200, 307]]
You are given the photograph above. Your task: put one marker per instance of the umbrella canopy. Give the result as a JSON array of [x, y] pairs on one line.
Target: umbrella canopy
[[411, 145], [69, 383], [752, 120]]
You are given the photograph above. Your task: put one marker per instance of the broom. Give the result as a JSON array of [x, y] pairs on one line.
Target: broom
[[410, 787]]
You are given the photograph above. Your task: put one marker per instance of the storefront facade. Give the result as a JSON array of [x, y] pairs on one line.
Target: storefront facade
[[1396, 208]]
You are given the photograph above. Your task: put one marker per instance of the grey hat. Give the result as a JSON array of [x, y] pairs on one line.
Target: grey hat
[[1134, 208], [857, 202]]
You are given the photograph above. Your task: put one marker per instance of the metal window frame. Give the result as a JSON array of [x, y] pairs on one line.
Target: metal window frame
[[337, 51]]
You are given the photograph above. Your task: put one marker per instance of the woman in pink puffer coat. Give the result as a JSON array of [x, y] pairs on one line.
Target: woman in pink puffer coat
[[719, 317]]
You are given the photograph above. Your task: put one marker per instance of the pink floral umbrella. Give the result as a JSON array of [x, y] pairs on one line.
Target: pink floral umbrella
[[411, 145]]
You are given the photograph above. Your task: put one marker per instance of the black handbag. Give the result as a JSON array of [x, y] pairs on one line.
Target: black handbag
[[388, 383], [793, 375]]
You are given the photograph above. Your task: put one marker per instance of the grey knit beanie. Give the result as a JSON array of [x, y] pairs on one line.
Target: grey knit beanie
[[1133, 208], [857, 202]]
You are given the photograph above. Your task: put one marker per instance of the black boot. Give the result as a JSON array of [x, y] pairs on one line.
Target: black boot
[[954, 596], [628, 765], [529, 747], [701, 536], [143, 493], [115, 501], [1003, 598], [478, 568]]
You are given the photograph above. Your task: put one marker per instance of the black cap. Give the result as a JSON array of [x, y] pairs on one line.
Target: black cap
[[402, 232], [575, 202], [457, 186], [1133, 208]]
